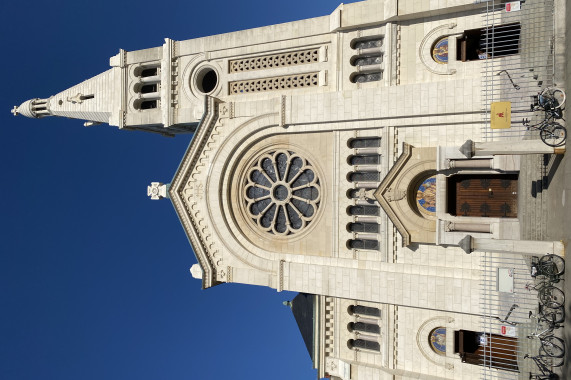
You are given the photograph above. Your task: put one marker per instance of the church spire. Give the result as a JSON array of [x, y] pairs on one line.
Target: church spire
[[93, 100], [139, 92]]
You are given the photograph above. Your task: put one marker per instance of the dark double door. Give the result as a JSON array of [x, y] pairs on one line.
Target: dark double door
[[483, 195], [488, 350]]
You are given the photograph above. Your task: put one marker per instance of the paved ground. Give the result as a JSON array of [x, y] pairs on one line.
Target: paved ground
[[545, 181], [559, 218]]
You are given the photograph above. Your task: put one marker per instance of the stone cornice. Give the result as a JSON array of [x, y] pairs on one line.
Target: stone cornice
[[180, 179]]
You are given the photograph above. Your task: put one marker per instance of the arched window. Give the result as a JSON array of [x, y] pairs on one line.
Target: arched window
[[364, 310], [364, 327], [368, 59], [367, 43], [363, 244], [367, 77], [363, 227], [371, 159], [365, 177], [149, 72], [373, 142], [147, 86], [364, 344], [147, 104], [364, 210]]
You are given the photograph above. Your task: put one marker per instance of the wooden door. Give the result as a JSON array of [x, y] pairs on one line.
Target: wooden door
[[483, 195]]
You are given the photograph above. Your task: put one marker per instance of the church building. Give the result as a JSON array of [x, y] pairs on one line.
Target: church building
[[373, 160]]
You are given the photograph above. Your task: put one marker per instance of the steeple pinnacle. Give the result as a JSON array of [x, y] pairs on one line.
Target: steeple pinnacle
[[35, 108]]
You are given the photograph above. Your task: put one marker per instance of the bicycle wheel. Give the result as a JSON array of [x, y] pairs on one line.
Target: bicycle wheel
[[552, 264], [555, 95], [553, 346], [552, 297], [549, 361], [553, 316], [553, 134]]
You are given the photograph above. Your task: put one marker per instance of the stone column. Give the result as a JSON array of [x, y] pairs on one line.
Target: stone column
[[365, 236], [522, 247], [474, 149], [365, 219], [469, 227], [359, 151], [478, 163]]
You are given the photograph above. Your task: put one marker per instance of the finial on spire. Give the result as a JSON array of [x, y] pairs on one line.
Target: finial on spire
[[157, 191], [15, 111], [196, 271]]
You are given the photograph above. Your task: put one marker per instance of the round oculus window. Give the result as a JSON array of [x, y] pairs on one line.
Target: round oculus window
[[440, 51], [437, 340], [426, 196], [206, 80], [282, 192]]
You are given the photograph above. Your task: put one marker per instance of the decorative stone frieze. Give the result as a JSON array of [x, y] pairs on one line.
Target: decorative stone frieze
[[292, 58], [286, 82]]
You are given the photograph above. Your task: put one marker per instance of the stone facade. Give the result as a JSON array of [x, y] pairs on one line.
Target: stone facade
[[311, 142]]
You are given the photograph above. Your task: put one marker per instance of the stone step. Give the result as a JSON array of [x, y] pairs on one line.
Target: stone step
[[533, 197]]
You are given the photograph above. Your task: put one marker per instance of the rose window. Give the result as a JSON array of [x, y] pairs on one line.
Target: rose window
[[282, 192]]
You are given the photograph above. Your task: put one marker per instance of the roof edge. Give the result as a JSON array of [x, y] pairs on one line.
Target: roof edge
[[186, 165]]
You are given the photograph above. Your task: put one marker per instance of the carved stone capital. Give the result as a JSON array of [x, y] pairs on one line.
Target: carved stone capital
[[395, 194]]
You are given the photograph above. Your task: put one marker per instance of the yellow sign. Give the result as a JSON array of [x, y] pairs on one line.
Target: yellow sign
[[501, 115]]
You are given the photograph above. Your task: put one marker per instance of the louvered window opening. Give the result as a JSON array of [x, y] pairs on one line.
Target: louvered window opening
[[367, 43], [373, 159], [364, 344], [365, 176], [150, 72], [363, 244], [365, 310], [147, 87], [364, 227], [365, 143], [365, 327], [368, 59], [364, 210], [294, 58], [287, 82]]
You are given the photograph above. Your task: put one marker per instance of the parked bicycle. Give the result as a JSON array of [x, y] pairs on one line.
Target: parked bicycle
[[550, 344], [550, 101], [550, 266], [549, 295], [552, 317], [551, 132], [545, 363]]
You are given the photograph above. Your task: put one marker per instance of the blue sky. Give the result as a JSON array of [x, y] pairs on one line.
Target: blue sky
[[94, 280]]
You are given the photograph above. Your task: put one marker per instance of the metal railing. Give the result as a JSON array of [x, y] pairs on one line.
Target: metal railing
[[519, 61]]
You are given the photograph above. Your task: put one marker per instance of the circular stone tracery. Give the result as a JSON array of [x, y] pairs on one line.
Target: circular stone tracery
[[282, 192]]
